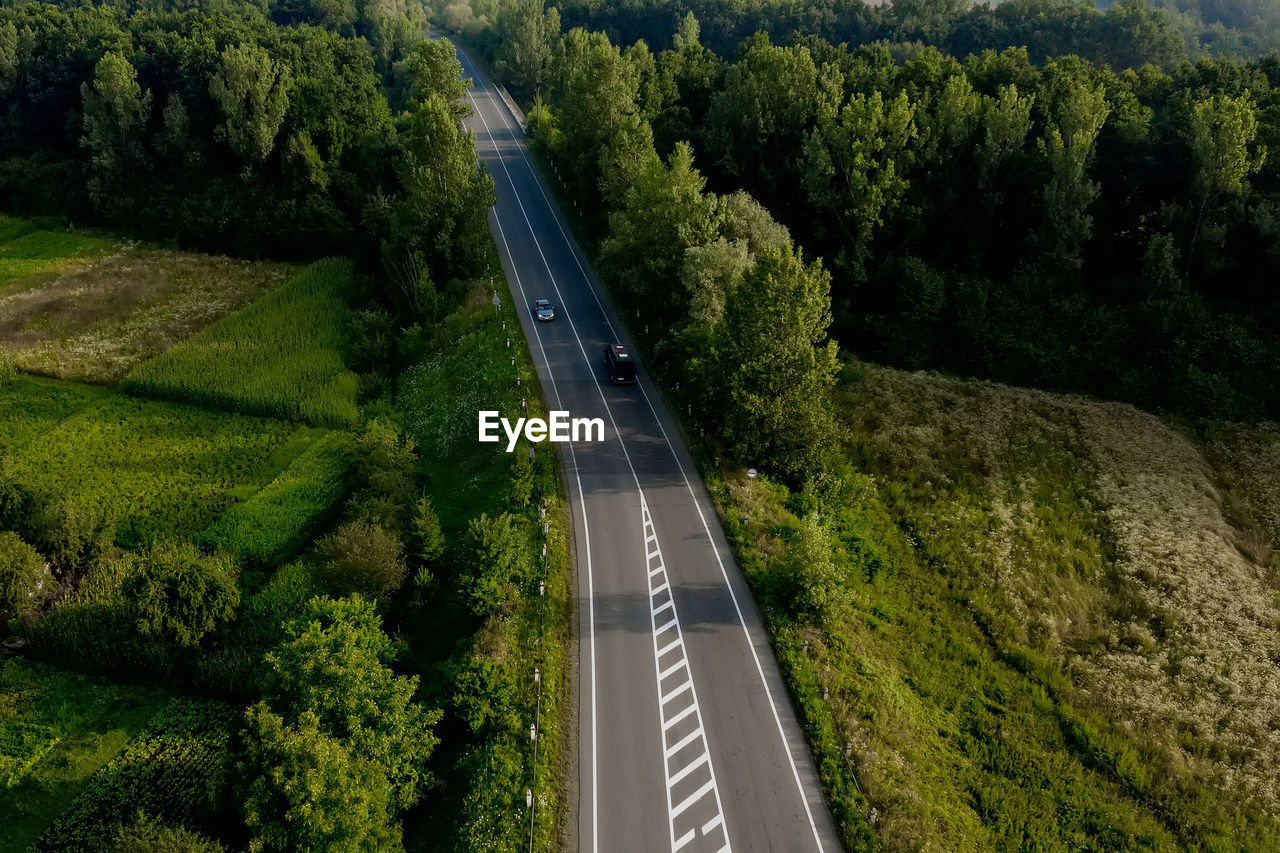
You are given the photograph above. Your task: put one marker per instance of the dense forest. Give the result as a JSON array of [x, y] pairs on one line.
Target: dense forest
[[1100, 225]]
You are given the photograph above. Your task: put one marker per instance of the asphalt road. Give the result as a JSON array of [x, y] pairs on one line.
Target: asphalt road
[[688, 740]]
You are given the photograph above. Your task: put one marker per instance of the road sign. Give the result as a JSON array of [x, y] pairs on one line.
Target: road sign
[[751, 472]]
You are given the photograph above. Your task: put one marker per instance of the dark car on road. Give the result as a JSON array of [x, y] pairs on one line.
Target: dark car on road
[[619, 364], [543, 311]]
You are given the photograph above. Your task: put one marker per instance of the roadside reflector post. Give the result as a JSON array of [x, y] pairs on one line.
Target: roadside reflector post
[[537, 676], [528, 798], [533, 731], [542, 588], [826, 694]]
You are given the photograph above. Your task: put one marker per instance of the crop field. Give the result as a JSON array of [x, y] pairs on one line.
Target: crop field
[[99, 321], [174, 770], [31, 406], [1002, 579], [56, 730], [29, 252], [159, 468], [275, 523], [283, 356]]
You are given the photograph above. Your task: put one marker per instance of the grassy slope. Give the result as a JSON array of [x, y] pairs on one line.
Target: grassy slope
[[1042, 634], [85, 722], [469, 368], [283, 356]]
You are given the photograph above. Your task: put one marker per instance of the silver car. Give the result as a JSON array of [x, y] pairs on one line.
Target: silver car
[[543, 311]]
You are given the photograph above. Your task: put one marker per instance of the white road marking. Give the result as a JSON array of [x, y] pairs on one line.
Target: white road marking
[[676, 692], [712, 824], [693, 798], [685, 771], [575, 251]]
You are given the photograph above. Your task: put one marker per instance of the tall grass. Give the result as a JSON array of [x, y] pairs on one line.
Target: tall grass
[[283, 356], [274, 524], [159, 468]]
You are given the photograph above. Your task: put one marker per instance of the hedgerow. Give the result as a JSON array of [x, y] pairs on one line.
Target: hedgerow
[[175, 771], [11, 228], [278, 521], [160, 468], [283, 356]]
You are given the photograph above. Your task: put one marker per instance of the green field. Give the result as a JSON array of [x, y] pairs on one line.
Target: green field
[[32, 407], [283, 356], [159, 468], [26, 252], [278, 521], [56, 730]]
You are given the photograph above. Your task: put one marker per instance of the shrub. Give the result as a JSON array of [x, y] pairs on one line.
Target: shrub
[[22, 573], [282, 356], [181, 595], [498, 561], [275, 523], [365, 558], [148, 835]]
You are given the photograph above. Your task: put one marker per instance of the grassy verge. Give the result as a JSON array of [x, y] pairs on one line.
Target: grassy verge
[[56, 730], [469, 366]]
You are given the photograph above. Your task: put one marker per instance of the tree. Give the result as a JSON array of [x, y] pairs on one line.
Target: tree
[[596, 92], [307, 791], [1068, 148], [438, 226], [384, 482], [364, 557], [181, 595], [251, 91], [22, 573], [526, 34], [116, 112], [817, 589], [428, 540], [854, 165], [497, 561], [433, 69], [1222, 134], [334, 666], [777, 366]]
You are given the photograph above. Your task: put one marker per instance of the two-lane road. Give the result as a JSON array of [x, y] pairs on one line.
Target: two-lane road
[[688, 741]]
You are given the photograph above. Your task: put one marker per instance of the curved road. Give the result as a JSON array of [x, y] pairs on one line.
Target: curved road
[[688, 741]]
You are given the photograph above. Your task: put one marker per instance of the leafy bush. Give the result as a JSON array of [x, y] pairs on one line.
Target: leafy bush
[[181, 595], [148, 835], [282, 356], [175, 770], [275, 523], [365, 558], [31, 406], [22, 573], [94, 628], [498, 561]]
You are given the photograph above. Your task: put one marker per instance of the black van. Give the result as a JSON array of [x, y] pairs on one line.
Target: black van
[[619, 364]]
